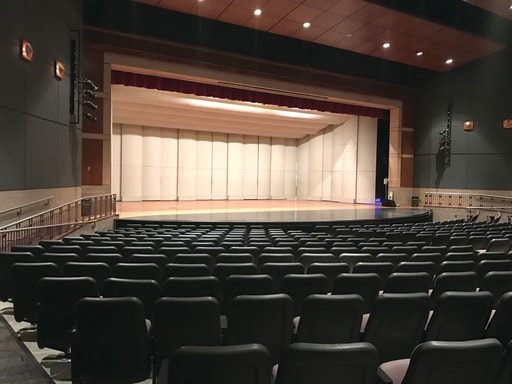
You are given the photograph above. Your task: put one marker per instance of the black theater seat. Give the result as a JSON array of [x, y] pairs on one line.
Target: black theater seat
[[147, 291]]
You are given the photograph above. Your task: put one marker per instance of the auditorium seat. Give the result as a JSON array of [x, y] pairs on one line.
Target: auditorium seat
[[24, 278], [35, 250], [7, 260], [499, 245], [222, 271], [278, 270], [98, 271], [417, 266], [418, 282], [441, 362], [499, 326], [57, 298], [396, 323], [142, 271], [181, 321], [111, 341], [236, 285], [365, 285], [274, 258], [460, 256], [158, 259], [383, 270], [193, 258], [459, 316], [59, 259], [307, 259], [329, 270], [67, 249], [457, 266], [498, 283], [101, 249], [234, 258], [300, 286], [126, 252], [263, 319], [234, 364], [192, 287], [486, 266], [307, 363], [453, 281], [185, 270], [147, 291], [393, 258], [330, 319], [108, 258], [353, 258]]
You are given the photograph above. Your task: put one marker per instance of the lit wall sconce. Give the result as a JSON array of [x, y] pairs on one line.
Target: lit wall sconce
[[59, 70], [507, 124], [469, 125], [26, 50]]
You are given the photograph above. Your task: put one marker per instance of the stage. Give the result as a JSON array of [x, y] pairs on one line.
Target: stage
[[264, 212]]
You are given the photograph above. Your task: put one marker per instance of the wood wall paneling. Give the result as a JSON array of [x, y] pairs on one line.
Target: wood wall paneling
[[92, 161]]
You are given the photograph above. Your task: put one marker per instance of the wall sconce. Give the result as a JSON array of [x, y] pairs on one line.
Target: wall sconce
[[507, 124], [59, 70], [26, 50], [469, 125]]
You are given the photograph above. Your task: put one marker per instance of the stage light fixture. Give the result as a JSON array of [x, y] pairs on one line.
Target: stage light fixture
[[307, 24], [257, 12], [449, 61], [386, 45], [26, 50], [419, 53]]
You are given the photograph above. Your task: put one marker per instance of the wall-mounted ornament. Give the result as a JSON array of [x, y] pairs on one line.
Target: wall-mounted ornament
[[59, 70], [26, 50], [469, 125], [507, 124]]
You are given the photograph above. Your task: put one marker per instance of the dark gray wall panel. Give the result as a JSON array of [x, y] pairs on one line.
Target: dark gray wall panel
[[12, 162], [38, 147], [41, 153], [481, 159], [12, 76]]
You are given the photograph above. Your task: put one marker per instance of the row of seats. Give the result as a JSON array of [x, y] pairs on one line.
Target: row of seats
[[399, 324]]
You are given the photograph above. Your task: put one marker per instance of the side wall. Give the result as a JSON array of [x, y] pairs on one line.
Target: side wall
[[480, 159], [40, 150]]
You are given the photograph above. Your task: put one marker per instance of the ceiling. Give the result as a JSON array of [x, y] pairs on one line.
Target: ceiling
[[354, 25], [154, 108], [499, 7]]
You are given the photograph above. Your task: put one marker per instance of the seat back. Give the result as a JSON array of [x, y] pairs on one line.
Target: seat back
[[111, 341], [454, 281], [158, 259], [57, 298], [498, 283], [354, 363], [396, 324], [329, 270], [263, 319], [24, 278], [185, 270], [182, 321], [279, 270], [407, 283], [192, 287], [383, 270], [223, 271], [299, 287], [7, 259], [237, 285], [109, 258], [141, 271], [499, 326], [147, 291], [98, 271], [234, 364], [365, 285], [330, 319], [459, 316], [468, 362]]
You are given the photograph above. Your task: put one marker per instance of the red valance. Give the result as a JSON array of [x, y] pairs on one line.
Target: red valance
[[220, 92]]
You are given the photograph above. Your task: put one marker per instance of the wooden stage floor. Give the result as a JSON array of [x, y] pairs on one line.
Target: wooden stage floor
[[259, 211]]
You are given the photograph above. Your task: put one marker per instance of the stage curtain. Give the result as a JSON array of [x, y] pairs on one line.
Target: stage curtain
[[220, 92]]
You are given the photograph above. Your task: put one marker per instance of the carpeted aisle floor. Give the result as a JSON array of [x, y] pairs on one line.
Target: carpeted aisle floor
[[17, 364]]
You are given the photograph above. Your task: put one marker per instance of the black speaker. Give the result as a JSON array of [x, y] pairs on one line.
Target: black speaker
[[389, 203]]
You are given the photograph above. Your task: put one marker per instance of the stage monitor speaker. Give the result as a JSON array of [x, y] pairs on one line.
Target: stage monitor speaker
[[389, 203]]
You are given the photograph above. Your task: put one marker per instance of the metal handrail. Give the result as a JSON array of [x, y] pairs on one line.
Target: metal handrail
[[466, 200], [19, 208], [57, 222]]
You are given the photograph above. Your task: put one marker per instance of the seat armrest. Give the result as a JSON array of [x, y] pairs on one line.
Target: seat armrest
[[382, 377]]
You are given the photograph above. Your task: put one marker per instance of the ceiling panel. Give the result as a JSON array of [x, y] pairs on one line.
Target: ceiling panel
[[500, 7], [354, 25]]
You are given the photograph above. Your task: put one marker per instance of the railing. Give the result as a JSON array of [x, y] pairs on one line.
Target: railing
[[58, 221], [467, 200], [19, 209]]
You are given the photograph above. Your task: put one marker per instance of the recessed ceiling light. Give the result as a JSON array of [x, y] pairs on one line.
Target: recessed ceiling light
[[419, 53], [510, 6], [307, 24], [257, 12], [449, 61], [386, 45], [348, 35]]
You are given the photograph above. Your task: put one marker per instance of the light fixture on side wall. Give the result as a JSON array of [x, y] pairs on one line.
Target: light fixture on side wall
[[507, 124], [26, 50], [469, 125], [59, 69]]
